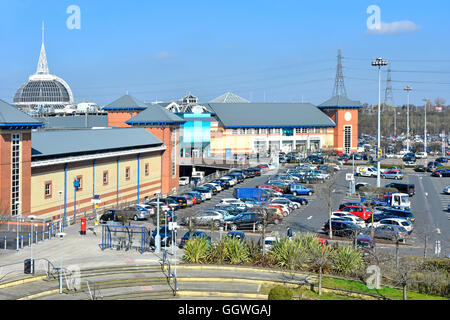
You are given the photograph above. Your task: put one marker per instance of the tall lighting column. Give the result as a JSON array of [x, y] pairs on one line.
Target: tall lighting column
[[425, 126], [408, 90], [379, 62]]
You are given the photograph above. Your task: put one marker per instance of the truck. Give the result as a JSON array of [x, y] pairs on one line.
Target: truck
[[252, 193], [394, 200]]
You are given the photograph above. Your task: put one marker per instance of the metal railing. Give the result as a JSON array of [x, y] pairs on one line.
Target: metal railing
[[170, 273]]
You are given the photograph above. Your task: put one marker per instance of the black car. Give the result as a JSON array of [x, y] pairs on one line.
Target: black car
[[341, 227], [111, 215], [441, 173], [246, 221], [442, 160], [420, 168], [182, 201], [223, 184], [293, 198], [257, 170], [409, 189], [249, 173], [239, 176], [391, 213], [194, 234]]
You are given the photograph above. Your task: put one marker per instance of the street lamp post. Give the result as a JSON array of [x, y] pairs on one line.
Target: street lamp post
[[379, 62], [408, 90], [17, 226], [60, 218], [158, 236], [425, 126]]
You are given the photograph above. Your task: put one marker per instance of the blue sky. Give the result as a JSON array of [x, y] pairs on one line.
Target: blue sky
[[284, 50]]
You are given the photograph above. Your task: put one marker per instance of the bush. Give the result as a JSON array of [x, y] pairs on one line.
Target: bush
[[196, 250], [280, 293]]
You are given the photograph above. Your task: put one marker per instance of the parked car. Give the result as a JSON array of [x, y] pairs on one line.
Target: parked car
[[442, 160], [206, 191], [184, 181], [420, 168], [223, 184], [433, 166], [298, 189], [231, 180], [247, 221], [216, 186], [349, 204], [392, 174], [191, 235], [112, 215], [356, 220], [135, 213], [365, 243], [446, 190], [381, 213], [198, 196], [293, 198], [291, 204], [409, 189], [165, 234], [360, 211], [183, 201], [441, 173], [207, 218], [421, 155], [359, 185], [236, 234], [342, 228], [189, 198], [391, 232], [268, 243], [395, 222]]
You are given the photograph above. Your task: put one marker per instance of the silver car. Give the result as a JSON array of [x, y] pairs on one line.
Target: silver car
[[206, 217], [392, 174], [391, 232]]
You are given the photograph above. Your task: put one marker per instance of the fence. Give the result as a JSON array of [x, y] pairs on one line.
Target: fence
[[125, 238]]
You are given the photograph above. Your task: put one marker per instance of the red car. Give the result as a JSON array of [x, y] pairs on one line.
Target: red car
[[265, 167], [363, 212], [271, 187]]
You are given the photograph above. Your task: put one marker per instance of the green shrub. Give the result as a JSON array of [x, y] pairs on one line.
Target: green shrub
[[280, 293], [237, 251], [196, 250], [347, 260]]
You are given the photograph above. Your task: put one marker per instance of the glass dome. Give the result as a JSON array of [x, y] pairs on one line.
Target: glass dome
[[43, 91]]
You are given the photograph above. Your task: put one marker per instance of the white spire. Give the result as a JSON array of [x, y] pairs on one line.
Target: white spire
[[42, 64]]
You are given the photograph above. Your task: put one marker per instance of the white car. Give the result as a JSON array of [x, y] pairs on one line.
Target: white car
[[447, 190], [268, 243], [147, 207], [184, 181], [396, 222], [284, 208], [421, 155], [356, 220], [232, 201]]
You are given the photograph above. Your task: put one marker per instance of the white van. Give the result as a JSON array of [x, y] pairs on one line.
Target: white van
[[366, 171]]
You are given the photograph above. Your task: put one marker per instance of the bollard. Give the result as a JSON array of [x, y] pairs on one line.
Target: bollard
[[43, 234], [5, 242], [226, 226], [36, 233], [21, 241], [49, 232], [254, 226], [29, 239]]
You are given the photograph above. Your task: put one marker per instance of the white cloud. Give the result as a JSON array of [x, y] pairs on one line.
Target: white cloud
[[395, 27]]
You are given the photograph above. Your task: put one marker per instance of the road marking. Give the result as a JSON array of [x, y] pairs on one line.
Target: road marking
[[309, 218], [438, 231]]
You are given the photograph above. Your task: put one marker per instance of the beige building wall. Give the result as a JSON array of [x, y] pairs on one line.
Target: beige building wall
[[47, 207]]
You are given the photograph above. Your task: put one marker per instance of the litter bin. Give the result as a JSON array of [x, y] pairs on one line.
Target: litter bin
[[29, 266], [83, 226]]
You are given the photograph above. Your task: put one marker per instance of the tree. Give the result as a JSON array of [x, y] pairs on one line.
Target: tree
[[320, 257]]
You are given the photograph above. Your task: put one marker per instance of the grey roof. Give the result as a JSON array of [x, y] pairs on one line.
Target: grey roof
[[229, 97], [10, 115], [266, 115], [126, 102], [155, 114], [75, 122], [340, 102], [63, 142]]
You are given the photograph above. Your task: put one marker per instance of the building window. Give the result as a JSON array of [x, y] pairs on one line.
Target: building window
[[324, 130], [48, 190], [242, 131], [15, 174], [147, 169], [105, 178], [249, 131], [127, 173], [316, 130], [257, 131], [347, 139], [304, 130], [235, 131], [288, 132]]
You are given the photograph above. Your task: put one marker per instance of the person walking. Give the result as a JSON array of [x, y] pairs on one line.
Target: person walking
[[289, 233]]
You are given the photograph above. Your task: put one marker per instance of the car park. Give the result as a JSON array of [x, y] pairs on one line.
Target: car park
[[112, 216], [433, 166], [223, 184], [366, 171], [197, 196], [189, 198], [250, 203], [206, 191], [135, 213], [420, 168], [231, 180], [196, 234], [291, 204], [218, 187], [181, 200], [387, 213], [348, 204]]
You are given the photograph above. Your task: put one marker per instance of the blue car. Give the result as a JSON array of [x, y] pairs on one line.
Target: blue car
[[236, 234], [165, 234], [190, 235], [298, 189]]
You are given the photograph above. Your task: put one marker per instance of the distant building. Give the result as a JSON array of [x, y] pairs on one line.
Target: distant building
[[43, 92]]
